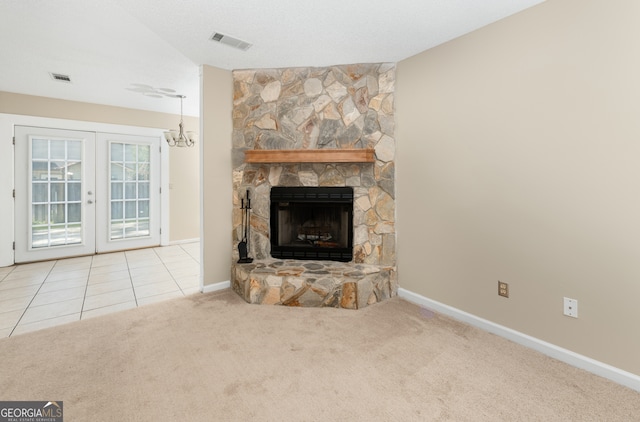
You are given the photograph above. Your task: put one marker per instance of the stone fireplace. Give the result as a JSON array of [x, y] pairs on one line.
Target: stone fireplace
[[308, 251]]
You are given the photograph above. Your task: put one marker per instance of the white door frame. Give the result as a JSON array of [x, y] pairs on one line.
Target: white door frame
[[7, 159]]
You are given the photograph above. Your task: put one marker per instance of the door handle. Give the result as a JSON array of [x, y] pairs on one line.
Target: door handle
[[89, 201]]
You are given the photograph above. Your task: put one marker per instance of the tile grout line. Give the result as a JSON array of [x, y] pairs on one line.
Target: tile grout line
[[164, 264], [191, 256], [7, 274], [133, 288], [194, 260], [86, 287], [32, 299], [187, 252]]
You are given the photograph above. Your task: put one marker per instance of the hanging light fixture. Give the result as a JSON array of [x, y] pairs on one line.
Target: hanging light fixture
[[180, 138]]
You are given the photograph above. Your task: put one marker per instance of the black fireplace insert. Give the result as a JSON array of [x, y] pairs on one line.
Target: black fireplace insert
[[314, 223]]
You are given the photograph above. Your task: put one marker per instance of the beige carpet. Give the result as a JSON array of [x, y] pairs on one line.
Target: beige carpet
[[213, 357]]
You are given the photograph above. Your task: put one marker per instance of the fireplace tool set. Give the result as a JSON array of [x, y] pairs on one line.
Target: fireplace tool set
[[243, 246]]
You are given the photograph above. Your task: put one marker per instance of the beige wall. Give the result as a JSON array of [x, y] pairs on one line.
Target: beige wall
[[518, 160], [184, 190], [184, 195], [217, 102]]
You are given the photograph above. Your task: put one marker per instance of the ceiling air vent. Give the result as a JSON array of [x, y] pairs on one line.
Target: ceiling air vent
[[230, 41], [60, 77]]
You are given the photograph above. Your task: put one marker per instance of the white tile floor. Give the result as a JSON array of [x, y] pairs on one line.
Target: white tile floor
[[45, 294]]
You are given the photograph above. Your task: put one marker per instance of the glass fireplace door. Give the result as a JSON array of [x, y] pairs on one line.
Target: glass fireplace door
[[312, 223]]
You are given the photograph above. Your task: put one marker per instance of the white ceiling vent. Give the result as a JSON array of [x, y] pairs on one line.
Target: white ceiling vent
[[60, 77], [230, 41]]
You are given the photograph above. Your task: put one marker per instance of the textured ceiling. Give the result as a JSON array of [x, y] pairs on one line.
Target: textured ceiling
[[110, 48]]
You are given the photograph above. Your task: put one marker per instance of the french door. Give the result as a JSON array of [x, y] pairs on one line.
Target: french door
[[80, 193]]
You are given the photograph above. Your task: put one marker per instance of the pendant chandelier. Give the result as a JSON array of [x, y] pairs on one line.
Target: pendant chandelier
[[180, 138]]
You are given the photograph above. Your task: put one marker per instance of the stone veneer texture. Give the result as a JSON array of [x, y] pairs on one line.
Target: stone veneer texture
[[337, 107]]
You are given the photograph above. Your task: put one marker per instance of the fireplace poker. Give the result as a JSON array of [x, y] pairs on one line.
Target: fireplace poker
[[243, 245]]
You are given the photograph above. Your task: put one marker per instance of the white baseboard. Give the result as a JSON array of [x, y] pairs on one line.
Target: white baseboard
[[216, 286], [567, 356]]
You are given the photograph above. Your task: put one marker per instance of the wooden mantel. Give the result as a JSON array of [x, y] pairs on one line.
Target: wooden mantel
[[360, 155]]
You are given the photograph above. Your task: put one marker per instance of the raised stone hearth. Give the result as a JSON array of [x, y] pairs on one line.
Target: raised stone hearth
[[313, 283], [348, 108]]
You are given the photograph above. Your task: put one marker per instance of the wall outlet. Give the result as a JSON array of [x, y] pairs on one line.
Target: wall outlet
[[571, 307], [503, 289]]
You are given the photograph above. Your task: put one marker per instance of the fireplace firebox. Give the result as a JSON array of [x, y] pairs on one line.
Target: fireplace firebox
[[314, 223]]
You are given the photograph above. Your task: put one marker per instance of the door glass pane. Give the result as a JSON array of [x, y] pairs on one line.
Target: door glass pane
[[117, 171], [117, 191], [130, 218], [117, 153], [39, 192], [144, 153], [73, 213], [143, 190], [57, 170], [73, 170], [74, 151], [130, 209], [130, 171], [130, 190], [143, 209], [40, 149], [74, 233], [40, 170], [143, 171], [57, 235], [74, 192], [40, 236], [56, 192], [39, 215], [131, 229], [58, 150], [117, 230], [58, 215], [130, 153], [117, 208], [143, 228]]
